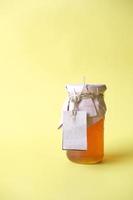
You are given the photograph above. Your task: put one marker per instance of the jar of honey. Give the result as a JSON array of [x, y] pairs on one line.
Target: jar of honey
[[88, 98]]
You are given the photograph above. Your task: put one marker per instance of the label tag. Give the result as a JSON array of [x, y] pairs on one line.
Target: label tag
[[74, 130]]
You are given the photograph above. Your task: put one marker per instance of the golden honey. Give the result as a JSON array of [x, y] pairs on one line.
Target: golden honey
[[95, 146]]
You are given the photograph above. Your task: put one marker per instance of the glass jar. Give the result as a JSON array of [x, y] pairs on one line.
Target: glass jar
[[91, 101]]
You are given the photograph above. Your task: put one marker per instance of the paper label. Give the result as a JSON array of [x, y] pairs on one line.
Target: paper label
[[74, 130]]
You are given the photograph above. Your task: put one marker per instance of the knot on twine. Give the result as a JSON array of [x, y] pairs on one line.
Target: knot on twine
[[77, 97]]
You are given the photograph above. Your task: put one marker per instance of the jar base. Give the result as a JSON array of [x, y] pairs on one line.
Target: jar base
[[94, 160]]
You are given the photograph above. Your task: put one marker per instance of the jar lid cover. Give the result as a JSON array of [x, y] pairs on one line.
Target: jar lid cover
[[91, 88]]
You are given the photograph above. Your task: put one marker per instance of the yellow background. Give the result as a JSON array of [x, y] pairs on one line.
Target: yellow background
[[45, 44]]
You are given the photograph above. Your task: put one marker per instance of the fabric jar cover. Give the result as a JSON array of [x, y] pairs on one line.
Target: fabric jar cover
[[86, 97]]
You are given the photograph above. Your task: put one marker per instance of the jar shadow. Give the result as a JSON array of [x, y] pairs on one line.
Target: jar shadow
[[118, 155]]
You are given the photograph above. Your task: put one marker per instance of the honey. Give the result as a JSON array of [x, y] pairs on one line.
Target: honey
[[95, 146]]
